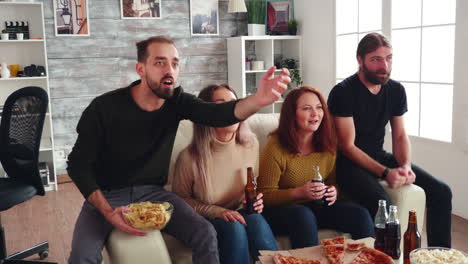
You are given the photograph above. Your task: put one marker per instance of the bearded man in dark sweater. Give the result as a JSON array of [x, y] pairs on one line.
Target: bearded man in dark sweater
[[124, 144]]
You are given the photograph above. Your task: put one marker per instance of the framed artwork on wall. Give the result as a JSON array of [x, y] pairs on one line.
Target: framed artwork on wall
[[71, 17], [279, 12], [204, 19], [140, 9]]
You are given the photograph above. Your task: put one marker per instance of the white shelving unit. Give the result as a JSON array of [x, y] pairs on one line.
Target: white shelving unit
[[268, 49], [27, 52]]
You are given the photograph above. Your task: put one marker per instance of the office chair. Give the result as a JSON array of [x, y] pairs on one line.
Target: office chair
[[21, 126]]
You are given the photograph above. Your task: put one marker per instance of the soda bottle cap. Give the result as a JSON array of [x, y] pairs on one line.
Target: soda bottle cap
[[382, 202], [393, 208]]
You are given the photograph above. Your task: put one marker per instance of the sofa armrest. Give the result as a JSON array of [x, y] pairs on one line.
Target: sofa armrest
[[406, 198], [122, 248]]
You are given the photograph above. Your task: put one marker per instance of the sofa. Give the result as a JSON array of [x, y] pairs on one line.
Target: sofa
[[409, 197]]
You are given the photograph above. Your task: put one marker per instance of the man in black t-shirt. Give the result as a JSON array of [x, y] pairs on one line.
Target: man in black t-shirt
[[125, 140], [362, 105]]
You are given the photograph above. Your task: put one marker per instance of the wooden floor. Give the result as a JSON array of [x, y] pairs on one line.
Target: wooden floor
[[53, 217]]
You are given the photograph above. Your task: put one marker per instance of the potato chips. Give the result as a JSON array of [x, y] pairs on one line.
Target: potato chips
[[148, 215]]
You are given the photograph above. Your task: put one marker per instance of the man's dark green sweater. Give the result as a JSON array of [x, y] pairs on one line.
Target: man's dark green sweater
[[121, 145]]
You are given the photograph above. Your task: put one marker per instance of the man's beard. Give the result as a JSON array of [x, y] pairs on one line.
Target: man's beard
[[158, 90], [372, 76]]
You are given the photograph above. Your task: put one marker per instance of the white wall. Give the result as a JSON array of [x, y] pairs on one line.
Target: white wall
[[317, 27], [448, 161]]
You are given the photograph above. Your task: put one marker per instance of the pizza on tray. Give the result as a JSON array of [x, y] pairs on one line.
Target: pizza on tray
[[355, 246], [280, 259], [369, 255], [335, 253], [334, 250], [333, 241]]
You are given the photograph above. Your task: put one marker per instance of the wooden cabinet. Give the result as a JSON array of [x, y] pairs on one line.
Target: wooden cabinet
[[26, 52], [267, 49]]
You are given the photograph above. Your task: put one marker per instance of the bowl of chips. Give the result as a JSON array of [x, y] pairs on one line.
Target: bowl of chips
[[148, 216]]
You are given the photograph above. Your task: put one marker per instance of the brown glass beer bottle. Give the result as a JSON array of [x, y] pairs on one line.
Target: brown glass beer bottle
[[250, 192], [412, 237]]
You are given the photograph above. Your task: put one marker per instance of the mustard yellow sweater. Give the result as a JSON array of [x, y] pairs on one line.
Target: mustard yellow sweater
[[281, 171]]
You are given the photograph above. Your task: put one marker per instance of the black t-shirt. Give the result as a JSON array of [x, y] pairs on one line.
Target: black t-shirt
[[370, 112]]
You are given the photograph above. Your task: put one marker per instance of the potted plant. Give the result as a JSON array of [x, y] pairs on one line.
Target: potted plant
[[5, 34], [293, 66], [256, 13], [292, 26], [19, 34]]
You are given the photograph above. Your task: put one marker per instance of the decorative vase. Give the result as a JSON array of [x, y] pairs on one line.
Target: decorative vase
[[256, 29], [258, 65], [19, 36], [5, 36], [5, 71]]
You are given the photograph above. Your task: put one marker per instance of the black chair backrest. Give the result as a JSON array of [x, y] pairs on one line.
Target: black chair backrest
[[20, 134]]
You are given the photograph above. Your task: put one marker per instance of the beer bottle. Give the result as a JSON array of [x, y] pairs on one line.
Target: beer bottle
[[412, 237], [317, 177], [380, 221], [393, 234], [250, 192]]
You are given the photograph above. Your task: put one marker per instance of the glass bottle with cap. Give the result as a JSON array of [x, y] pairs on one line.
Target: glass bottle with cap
[[380, 221], [393, 234]]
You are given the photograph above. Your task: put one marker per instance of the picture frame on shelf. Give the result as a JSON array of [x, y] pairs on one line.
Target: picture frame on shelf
[[204, 17], [71, 18], [279, 12], [140, 9]]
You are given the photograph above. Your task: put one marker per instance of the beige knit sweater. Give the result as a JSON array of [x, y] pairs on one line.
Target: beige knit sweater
[[223, 188]]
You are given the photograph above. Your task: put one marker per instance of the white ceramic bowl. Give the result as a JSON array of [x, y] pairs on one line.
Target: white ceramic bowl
[[169, 208], [436, 255]]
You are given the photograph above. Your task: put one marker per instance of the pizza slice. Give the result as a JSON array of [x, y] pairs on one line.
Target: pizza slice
[[333, 241], [280, 259], [355, 246], [369, 255], [335, 253]]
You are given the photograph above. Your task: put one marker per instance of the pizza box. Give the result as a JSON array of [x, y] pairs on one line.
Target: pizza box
[[317, 253]]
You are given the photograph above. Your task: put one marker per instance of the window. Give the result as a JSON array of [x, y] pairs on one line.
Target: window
[[354, 19], [421, 62]]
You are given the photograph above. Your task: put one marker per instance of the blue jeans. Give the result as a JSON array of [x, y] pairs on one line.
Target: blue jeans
[[235, 240], [301, 221]]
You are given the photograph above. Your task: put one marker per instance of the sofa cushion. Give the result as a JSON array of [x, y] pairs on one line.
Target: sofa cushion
[[407, 197]]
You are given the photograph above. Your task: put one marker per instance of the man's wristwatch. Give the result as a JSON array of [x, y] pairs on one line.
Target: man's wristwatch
[[384, 173]]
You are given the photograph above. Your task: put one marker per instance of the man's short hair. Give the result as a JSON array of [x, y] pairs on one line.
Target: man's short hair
[[371, 42], [142, 46]]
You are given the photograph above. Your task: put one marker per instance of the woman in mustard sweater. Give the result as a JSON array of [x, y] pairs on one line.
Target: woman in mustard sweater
[[211, 174], [305, 138]]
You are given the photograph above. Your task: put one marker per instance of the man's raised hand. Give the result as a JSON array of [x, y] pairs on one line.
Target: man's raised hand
[[270, 89]]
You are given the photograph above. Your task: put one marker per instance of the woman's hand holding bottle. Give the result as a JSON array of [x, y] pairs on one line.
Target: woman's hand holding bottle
[[331, 195], [310, 191]]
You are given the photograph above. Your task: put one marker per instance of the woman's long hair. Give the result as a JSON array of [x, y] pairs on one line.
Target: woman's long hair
[[200, 147], [324, 139]]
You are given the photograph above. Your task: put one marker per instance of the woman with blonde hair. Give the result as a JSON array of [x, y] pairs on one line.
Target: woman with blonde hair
[[211, 174], [296, 206]]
